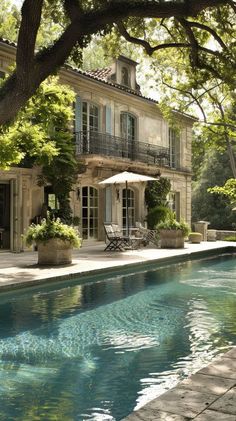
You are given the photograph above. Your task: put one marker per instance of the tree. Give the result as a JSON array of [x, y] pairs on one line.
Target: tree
[[228, 190], [175, 24], [205, 206], [41, 135]]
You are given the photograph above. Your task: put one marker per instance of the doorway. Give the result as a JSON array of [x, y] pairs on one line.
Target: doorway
[[89, 213]]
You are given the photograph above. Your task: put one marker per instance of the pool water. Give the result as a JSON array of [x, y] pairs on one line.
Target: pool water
[[100, 350]]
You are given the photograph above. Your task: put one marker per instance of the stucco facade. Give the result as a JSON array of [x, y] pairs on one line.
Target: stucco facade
[[116, 129]]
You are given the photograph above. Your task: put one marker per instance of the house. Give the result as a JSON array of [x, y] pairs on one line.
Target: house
[[116, 129]]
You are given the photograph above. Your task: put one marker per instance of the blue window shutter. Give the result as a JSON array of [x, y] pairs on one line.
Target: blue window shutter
[[108, 120], [78, 114]]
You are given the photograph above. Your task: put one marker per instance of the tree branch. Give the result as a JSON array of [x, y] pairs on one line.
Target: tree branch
[[196, 100], [194, 44], [148, 48], [210, 30], [233, 5]]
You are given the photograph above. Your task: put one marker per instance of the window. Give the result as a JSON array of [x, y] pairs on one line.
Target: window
[[174, 203], [125, 76], [174, 145], [131, 207], [90, 117], [89, 212], [128, 126]]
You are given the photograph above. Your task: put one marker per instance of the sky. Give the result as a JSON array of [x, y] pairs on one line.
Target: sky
[[17, 2]]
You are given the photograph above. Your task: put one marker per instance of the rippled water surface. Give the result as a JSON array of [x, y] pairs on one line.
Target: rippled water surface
[[100, 350]]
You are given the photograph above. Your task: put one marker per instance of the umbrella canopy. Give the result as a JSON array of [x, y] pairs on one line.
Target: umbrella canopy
[[126, 178]]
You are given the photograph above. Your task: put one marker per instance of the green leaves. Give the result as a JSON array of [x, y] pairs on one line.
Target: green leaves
[[228, 190], [39, 126], [52, 228]]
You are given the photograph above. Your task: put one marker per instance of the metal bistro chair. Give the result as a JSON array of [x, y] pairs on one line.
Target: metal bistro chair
[[135, 241], [117, 242], [149, 236]]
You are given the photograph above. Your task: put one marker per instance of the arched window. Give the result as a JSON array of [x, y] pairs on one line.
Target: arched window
[[125, 76]]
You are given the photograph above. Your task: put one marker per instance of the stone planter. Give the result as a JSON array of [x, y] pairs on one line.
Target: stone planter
[[54, 252], [171, 239], [195, 237], [211, 235]]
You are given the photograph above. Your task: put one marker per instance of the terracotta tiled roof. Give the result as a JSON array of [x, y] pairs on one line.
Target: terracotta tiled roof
[[6, 41], [103, 74]]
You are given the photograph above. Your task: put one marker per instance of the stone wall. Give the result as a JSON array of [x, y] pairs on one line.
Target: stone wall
[[221, 234]]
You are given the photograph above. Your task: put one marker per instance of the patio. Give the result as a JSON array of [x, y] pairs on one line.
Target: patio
[[21, 270]]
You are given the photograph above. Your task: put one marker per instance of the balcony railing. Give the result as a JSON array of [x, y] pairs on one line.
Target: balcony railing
[[88, 143]]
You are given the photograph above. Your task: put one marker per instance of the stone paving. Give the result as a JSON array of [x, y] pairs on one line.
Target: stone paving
[[19, 270], [209, 394]]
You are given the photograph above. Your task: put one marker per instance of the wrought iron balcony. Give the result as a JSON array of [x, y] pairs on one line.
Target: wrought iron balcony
[[95, 143]]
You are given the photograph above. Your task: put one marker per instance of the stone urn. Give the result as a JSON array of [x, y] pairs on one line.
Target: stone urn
[[171, 239], [54, 252]]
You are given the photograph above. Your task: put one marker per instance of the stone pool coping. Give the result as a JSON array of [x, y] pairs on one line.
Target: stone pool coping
[[207, 395], [20, 270]]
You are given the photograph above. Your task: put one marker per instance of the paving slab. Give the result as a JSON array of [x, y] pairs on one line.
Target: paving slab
[[226, 403], [209, 415], [231, 353], [225, 367], [210, 384], [152, 415], [183, 402]]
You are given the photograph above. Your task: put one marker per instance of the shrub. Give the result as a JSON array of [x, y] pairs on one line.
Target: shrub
[[230, 238], [52, 228], [171, 224], [156, 215]]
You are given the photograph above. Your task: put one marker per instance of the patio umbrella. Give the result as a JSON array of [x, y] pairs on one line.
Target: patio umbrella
[[127, 178]]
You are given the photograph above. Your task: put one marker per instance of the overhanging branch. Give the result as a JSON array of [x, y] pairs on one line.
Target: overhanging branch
[[145, 44]]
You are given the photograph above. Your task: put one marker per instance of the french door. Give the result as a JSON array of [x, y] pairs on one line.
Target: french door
[[89, 212]]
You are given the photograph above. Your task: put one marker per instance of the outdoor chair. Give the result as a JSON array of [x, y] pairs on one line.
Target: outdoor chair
[[135, 240], [149, 236], [119, 242]]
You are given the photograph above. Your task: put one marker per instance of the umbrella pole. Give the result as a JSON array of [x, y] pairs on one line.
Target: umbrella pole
[[127, 210]]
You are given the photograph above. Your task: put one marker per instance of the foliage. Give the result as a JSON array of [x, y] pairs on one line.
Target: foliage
[[63, 28], [33, 136], [172, 224], [205, 206], [230, 238], [9, 21], [41, 136], [156, 192], [228, 190], [52, 228], [156, 215]]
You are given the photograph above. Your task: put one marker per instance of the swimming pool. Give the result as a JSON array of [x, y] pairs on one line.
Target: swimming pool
[[100, 350]]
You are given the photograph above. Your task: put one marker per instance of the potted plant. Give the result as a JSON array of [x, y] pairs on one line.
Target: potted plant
[[172, 232], [54, 241]]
